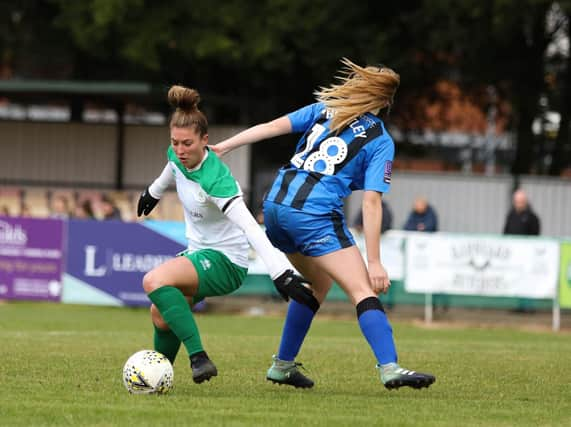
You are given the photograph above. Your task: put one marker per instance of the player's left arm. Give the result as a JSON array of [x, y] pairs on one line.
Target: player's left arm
[[377, 181], [372, 219]]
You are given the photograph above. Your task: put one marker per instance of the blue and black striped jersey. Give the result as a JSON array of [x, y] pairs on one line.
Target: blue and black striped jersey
[[326, 167]]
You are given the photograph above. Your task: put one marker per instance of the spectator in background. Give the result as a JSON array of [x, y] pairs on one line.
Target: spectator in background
[[59, 207], [5, 211], [521, 218], [386, 221], [422, 217], [109, 209], [84, 210], [25, 211]]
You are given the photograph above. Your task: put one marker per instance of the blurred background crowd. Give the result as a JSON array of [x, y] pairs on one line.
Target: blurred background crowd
[[485, 91]]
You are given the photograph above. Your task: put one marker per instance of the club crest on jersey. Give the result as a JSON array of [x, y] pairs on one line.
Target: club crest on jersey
[[200, 196], [388, 171]]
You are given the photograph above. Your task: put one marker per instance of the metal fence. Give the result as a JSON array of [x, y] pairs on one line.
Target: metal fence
[[476, 203], [86, 154]]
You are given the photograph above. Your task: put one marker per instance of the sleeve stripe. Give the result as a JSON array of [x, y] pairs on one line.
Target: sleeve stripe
[[228, 203]]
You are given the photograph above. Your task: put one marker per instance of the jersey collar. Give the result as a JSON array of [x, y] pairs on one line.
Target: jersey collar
[[199, 165]]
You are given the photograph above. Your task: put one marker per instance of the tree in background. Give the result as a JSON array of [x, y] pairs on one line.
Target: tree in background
[[261, 58], [560, 79]]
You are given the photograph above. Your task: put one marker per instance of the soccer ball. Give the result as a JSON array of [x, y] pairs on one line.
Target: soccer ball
[[148, 372]]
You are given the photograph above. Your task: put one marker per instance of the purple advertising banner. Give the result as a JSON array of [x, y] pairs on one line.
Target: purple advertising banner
[[111, 257], [31, 258]]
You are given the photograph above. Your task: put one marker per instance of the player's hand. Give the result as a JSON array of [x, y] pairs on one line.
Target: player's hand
[[291, 285], [218, 149], [379, 278], [146, 203]]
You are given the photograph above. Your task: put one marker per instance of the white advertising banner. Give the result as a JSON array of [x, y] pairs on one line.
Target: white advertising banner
[[392, 251], [487, 266]]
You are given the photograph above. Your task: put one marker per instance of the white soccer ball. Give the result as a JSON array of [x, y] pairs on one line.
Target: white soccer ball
[[148, 372]]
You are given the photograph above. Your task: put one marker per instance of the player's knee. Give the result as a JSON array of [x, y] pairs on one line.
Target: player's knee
[[312, 303], [319, 294], [157, 318], [369, 303], [151, 282]]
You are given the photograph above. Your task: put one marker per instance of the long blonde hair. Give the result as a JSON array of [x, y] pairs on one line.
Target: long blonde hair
[[362, 89], [186, 113]]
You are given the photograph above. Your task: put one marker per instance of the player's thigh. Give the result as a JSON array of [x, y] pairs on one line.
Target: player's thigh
[[347, 268], [321, 282], [217, 274], [178, 272]]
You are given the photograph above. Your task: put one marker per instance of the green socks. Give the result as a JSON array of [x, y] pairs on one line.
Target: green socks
[[167, 343], [177, 314]]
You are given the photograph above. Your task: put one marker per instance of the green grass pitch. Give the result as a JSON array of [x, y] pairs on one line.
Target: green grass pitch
[[61, 365]]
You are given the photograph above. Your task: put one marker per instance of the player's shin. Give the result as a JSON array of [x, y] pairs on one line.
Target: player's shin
[[297, 324], [175, 311], [167, 343], [377, 330]]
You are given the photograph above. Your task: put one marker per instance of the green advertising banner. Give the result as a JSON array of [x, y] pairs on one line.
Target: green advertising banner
[[565, 276]]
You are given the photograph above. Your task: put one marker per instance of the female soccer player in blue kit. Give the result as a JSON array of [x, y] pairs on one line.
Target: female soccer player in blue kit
[[344, 147]]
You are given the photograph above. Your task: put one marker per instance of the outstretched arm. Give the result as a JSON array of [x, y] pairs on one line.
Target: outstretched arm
[[277, 127], [288, 284]]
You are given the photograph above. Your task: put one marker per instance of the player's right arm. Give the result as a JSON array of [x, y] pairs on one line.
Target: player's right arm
[[153, 193], [277, 127], [294, 122]]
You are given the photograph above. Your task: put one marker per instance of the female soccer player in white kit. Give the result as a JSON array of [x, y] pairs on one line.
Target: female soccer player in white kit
[[218, 228]]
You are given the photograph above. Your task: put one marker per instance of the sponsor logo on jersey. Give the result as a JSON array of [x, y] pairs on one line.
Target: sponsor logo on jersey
[[388, 171], [195, 214], [206, 264], [317, 242]]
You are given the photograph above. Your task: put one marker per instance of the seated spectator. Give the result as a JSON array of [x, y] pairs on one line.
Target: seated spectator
[[386, 221], [25, 211], [422, 217], [59, 207], [109, 210], [84, 210]]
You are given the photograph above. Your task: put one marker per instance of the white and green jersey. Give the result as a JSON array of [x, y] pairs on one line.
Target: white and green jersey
[[205, 192]]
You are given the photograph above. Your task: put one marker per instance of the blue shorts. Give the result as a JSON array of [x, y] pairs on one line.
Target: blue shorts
[[292, 230]]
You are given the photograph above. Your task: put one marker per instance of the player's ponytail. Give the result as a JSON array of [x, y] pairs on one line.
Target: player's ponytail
[[360, 90], [186, 114]]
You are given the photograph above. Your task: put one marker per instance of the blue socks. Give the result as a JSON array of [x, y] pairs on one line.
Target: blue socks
[[372, 320], [297, 323], [377, 330]]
